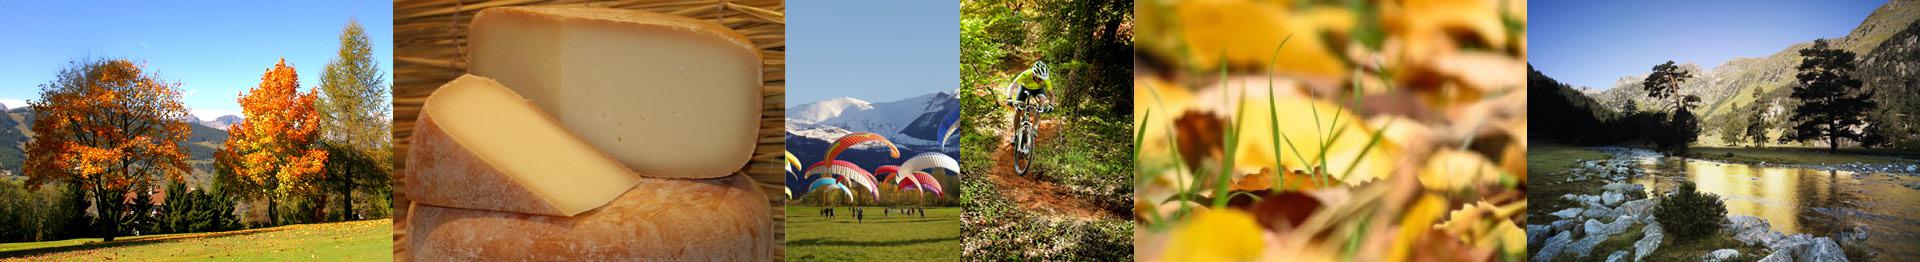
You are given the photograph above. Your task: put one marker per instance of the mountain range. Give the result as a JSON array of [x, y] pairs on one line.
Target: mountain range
[[1884, 43], [204, 138], [912, 124]]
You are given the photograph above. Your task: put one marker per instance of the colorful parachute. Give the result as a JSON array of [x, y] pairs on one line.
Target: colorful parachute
[[930, 160], [792, 162], [846, 171], [923, 182], [887, 172], [830, 184], [841, 145], [947, 126]]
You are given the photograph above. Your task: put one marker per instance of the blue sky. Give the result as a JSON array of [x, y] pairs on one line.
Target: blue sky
[[1593, 43], [872, 50], [216, 49]]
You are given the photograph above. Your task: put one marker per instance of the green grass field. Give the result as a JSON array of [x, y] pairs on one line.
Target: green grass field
[[811, 237], [370, 240]]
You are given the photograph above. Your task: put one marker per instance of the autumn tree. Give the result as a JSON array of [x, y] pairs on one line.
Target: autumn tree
[[272, 151], [1832, 104], [354, 123], [107, 127]]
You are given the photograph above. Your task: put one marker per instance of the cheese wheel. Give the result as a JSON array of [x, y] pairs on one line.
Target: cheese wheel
[[718, 219], [669, 96], [480, 146]]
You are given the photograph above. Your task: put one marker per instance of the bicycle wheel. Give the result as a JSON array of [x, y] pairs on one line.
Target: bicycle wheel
[[1022, 155]]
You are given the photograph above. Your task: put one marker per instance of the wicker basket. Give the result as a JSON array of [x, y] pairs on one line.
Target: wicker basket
[[430, 38]]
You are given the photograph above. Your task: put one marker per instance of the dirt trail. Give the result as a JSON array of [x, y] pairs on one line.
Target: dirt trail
[[1033, 194]]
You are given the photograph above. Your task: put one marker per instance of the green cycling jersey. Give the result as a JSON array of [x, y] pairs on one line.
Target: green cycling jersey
[[1032, 82]]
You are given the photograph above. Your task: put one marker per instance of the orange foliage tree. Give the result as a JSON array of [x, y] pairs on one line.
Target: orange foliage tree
[[108, 128], [273, 151]]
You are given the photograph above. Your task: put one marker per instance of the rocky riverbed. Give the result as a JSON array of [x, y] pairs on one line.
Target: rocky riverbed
[[1775, 212]]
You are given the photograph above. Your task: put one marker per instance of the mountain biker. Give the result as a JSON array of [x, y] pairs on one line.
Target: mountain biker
[[1027, 94], [1030, 84]]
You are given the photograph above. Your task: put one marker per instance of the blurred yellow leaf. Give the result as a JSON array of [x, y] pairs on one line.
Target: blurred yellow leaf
[[1451, 170], [1246, 33], [1415, 224], [1219, 235]]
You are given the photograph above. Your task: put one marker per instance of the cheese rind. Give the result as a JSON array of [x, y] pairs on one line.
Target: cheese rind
[[718, 219], [480, 146], [671, 97]]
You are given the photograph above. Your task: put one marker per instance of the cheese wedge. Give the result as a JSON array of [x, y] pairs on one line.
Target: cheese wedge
[[717, 219], [669, 96], [480, 146]]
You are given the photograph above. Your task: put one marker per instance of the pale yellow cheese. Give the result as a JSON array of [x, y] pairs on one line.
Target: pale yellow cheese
[[671, 97], [480, 146]]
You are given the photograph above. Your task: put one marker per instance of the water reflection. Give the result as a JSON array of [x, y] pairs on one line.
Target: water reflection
[[1804, 200]]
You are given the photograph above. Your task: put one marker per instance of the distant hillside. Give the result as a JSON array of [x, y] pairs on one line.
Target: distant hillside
[[13, 137], [1892, 71], [15, 132], [1729, 83], [222, 122]]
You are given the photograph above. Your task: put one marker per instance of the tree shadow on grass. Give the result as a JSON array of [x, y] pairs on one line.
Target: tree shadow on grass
[[803, 243], [134, 242]]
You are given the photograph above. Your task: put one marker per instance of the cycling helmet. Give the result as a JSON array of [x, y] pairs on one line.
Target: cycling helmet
[[1040, 69]]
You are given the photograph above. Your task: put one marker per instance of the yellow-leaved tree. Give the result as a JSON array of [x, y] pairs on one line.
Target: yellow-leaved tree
[[274, 150]]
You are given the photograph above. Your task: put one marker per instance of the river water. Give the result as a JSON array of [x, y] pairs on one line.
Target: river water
[[1804, 199]]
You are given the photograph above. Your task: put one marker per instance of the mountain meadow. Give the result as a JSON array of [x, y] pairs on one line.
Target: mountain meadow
[[1803, 154], [108, 161]]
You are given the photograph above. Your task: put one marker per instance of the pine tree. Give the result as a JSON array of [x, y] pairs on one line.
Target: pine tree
[[1832, 104], [1664, 83], [1757, 126], [354, 109]]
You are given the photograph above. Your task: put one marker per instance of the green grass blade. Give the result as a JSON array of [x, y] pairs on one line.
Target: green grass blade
[[1273, 115], [1371, 142]]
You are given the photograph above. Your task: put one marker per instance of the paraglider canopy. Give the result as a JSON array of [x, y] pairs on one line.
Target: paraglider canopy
[[846, 171], [930, 160], [792, 162], [948, 126], [887, 173], [923, 182], [841, 145], [830, 184]]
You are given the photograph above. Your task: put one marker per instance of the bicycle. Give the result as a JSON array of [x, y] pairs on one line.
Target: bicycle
[[1025, 131]]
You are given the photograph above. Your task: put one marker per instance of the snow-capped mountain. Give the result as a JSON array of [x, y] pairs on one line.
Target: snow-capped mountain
[[222, 122], [912, 124], [907, 122], [825, 109]]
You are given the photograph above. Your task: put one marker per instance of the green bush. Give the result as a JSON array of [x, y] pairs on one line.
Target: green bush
[[1689, 214]]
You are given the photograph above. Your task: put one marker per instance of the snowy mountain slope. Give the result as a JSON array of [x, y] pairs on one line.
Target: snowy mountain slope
[[911, 122], [825, 109]]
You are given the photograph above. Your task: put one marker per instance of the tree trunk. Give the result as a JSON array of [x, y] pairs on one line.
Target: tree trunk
[[273, 211], [1833, 137], [109, 220], [346, 195]]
